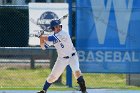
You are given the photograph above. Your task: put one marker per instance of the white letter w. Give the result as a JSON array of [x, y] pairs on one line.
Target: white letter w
[[101, 17]]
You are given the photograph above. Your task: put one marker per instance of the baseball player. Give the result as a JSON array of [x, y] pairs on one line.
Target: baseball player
[[67, 55]]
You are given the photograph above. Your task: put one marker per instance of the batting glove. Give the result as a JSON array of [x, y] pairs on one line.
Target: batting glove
[[39, 34]]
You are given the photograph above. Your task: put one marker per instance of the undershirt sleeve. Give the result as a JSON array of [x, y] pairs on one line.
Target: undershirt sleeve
[[51, 38]]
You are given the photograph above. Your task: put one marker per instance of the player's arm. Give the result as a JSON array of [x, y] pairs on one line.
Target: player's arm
[[43, 39]]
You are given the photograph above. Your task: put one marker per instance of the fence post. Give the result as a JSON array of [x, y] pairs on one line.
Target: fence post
[[32, 63], [68, 70], [69, 76]]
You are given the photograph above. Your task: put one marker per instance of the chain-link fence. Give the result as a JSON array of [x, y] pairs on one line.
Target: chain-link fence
[[14, 26], [15, 67], [15, 63]]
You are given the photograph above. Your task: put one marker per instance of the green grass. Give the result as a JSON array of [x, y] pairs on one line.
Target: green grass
[[24, 78], [28, 79]]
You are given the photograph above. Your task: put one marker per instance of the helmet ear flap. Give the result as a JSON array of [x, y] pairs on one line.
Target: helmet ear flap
[[53, 28]]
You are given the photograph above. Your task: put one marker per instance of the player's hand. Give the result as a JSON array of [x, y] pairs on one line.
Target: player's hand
[[45, 46], [39, 33]]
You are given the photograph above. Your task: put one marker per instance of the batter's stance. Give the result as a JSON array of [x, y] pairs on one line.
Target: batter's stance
[[66, 56]]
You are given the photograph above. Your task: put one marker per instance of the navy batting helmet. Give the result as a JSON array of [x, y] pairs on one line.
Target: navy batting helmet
[[54, 23]]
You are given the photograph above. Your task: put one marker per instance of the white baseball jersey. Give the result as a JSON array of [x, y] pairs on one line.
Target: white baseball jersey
[[65, 48], [63, 44]]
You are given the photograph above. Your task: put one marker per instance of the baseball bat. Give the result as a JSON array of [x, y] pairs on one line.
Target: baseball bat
[[63, 17]]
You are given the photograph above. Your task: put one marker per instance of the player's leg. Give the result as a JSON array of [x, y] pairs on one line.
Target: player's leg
[[74, 64], [57, 70], [81, 83]]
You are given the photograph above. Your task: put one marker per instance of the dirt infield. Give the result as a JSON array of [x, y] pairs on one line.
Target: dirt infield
[[89, 91]]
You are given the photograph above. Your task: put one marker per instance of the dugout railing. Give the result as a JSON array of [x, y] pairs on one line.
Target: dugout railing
[[32, 53]]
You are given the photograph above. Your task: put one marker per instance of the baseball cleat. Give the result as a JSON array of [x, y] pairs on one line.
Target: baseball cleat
[[84, 92], [42, 91]]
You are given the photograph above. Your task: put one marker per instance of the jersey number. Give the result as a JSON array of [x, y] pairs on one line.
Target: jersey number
[[62, 45]]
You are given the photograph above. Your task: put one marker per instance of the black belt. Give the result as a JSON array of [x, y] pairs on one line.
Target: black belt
[[66, 57]]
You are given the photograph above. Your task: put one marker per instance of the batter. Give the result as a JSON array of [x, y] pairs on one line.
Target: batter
[[67, 55]]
